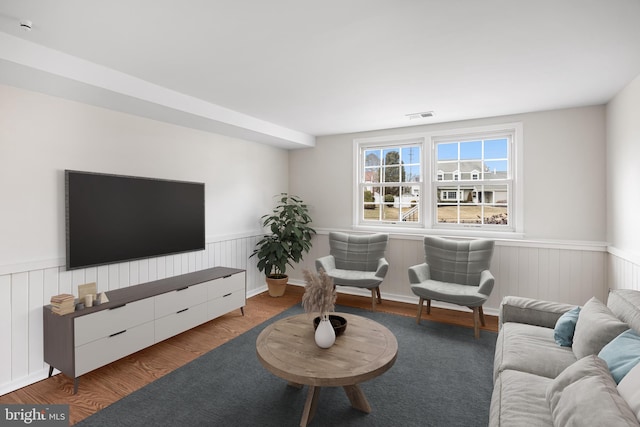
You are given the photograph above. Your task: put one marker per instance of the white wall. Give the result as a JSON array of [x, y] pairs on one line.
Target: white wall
[[40, 136], [623, 172], [564, 172], [562, 256]]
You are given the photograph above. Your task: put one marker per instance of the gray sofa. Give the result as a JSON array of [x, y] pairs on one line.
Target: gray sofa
[[538, 382]]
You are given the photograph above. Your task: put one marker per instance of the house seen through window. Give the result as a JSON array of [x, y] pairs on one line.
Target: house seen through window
[[454, 180]]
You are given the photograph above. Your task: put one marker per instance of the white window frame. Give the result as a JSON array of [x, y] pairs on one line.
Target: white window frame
[[430, 182]]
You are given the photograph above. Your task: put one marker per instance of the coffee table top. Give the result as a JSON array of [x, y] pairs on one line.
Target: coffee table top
[[288, 350]]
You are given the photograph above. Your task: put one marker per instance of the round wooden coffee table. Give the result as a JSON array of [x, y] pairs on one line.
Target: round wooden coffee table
[[287, 349]]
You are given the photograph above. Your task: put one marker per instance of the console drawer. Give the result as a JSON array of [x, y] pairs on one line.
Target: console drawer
[[103, 323], [172, 302], [225, 285], [219, 306], [178, 322], [108, 349]]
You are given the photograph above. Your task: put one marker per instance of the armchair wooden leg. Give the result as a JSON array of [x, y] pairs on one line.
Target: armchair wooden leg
[[482, 322], [378, 294], [476, 321], [428, 306], [373, 299], [419, 310]]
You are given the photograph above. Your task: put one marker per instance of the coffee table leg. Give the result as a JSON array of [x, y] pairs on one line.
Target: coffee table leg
[[310, 405], [357, 398]]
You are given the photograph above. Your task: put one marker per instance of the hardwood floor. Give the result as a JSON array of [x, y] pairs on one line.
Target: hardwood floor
[[106, 385]]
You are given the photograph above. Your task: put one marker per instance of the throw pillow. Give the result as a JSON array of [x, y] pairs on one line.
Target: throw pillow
[[629, 389], [622, 354], [565, 327], [596, 327], [585, 394]]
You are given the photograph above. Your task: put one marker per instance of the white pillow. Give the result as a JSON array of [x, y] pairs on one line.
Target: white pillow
[[629, 389]]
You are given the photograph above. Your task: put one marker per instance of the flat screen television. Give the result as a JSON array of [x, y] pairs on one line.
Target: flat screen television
[[115, 218]]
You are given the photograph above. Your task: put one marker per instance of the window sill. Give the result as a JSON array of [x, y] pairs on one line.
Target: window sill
[[444, 232]]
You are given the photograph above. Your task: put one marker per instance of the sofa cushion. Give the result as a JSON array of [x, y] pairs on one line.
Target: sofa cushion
[[585, 394], [518, 399], [531, 349], [625, 304], [622, 354], [629, 389], [595, 328], [565, 327]]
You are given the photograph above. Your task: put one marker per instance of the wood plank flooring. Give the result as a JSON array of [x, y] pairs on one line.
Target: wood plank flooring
[[99, 388]]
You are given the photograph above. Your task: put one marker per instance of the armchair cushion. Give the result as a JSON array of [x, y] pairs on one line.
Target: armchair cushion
[[449, 292]]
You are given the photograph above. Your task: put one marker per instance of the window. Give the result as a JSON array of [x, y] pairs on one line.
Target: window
[[390, 182], [464, 179], [481, 180]]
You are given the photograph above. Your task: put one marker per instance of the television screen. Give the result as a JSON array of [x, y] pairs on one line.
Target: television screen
[[113, 218]]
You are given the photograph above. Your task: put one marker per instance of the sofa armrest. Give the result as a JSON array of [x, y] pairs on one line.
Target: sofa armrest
[[531, 311], [327, 263]]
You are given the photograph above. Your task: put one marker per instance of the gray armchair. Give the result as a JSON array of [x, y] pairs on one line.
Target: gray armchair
[[456, 272], [356, 260]]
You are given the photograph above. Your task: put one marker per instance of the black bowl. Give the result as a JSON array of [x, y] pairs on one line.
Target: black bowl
[[339, 323]]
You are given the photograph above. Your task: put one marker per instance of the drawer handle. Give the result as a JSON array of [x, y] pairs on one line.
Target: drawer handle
[[182, 289], [117, 306], [183, 310], [224, 296], [117, 333]]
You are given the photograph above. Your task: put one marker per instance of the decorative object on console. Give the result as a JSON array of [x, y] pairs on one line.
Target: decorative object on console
[[289, 240], [102, 298], [87, 289], [63, 304], [320, 297]]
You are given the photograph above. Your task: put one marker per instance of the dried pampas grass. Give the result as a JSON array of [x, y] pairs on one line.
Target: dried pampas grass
[[319, 293]]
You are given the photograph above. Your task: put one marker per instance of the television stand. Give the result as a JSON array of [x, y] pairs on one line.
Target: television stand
[[137, 317]]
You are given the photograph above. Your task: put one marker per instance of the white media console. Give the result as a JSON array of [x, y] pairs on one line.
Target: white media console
[[137, 317]]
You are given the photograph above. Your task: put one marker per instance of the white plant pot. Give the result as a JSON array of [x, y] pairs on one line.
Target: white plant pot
[[325, 335]]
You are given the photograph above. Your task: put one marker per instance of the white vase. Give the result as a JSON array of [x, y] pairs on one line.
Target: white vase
[[325, 335]]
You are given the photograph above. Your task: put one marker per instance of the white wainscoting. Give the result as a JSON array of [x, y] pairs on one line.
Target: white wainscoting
[[23, 292], [623, 270], [570, 272], [559, 271]]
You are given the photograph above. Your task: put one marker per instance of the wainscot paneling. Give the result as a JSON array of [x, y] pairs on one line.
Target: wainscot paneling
[[25, 289], [559, 271], [623, 270]]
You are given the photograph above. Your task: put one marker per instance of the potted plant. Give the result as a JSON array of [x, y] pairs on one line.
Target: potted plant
[[289, 240]]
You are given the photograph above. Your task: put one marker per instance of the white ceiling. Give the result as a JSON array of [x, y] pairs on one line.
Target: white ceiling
[[295, 69]]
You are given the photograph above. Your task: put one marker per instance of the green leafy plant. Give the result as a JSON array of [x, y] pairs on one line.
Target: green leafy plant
[[290, 236]]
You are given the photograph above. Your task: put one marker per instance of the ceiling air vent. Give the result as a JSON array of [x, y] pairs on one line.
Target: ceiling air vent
[[423, 115]]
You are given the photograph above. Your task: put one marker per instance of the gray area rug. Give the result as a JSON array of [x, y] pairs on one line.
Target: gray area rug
[[442, 377]]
